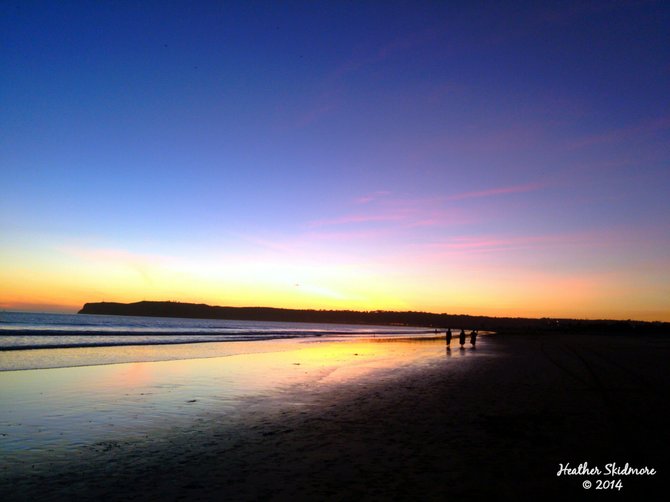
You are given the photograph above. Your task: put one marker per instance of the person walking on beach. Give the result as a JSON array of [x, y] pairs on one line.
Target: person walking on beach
[[473, 338], [449, 336], [461, 338]]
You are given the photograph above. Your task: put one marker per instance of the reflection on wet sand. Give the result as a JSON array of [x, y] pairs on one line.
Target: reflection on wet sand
[[63, 408]]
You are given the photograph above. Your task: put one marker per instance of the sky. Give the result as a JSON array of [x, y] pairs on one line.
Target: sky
[[487, 158]]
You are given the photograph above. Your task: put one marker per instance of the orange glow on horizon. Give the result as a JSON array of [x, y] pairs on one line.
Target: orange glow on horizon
[[463, 284]]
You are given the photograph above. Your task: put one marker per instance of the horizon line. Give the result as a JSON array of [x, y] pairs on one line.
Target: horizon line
[[378, 311]]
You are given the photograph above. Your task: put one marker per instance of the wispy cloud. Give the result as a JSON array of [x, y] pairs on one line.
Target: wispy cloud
[[390, 49], [559, 14], [110, 254], [351, 235], [408, 42], [324, 104], [366, 199], [329, 99], [141, 263], [494, 243], [528, 187], [283, 246], [622, 133], [499, 243], [382, 209], [358, 218], [479, 141]]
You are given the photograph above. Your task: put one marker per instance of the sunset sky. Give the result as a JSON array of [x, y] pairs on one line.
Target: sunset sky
[[495, 158]]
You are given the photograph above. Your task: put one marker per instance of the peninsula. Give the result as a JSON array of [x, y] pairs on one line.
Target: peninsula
[[376, 317]]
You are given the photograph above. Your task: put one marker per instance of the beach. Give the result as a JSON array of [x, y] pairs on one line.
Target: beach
[[500, 420]]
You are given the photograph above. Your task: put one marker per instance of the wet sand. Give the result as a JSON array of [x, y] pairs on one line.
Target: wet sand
[[497, 421]]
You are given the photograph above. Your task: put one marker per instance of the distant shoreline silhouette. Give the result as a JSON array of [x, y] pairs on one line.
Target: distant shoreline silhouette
[[378, 317]]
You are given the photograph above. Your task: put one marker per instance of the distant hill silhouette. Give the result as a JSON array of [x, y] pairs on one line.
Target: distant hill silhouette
[[378, 317]]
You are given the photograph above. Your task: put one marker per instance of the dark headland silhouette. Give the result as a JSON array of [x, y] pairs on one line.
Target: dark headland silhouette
[[377, 317]]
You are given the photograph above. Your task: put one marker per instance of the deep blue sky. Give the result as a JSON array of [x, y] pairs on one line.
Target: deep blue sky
[[484, 157]]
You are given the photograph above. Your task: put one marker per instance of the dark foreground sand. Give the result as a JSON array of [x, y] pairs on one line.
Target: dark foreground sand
[[498, 423]]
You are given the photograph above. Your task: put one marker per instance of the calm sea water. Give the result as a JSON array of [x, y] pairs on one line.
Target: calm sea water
[[24, 330]]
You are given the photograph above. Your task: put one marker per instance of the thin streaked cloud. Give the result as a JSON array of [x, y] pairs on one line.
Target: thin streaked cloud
[[500, 243], [491, 192], [357, 218], [620, 134], [380, 208], [374, 196]]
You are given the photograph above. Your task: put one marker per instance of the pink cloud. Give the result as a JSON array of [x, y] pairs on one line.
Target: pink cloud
[[390, 49], [509, 138], [400, 212], [528, 187], [114, 255], [494, 244], [622, 133], [357, 218], [324, 106], [328, 101], [411, 41], [365, 199], [142, 263], [355, 235], [272, 245], [471, 245]]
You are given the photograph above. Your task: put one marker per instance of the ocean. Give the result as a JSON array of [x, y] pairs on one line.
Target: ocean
[[26, 330]]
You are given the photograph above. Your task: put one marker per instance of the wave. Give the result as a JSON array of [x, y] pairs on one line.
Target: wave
[[131, 343], [32, 340], [29, 331]]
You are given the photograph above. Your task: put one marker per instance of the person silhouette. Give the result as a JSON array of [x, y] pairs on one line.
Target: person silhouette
[[449, 336], [473, 338], [461, 338]]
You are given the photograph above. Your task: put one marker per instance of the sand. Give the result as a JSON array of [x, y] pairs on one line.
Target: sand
[[498, 421]]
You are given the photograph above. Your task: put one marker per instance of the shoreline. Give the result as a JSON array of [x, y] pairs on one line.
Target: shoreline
[[498, 423]]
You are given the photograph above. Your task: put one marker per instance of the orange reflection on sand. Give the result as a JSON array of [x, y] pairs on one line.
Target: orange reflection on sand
[[135, 375], [78, 405], [332, 362], [251, 367], [221, 371]]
